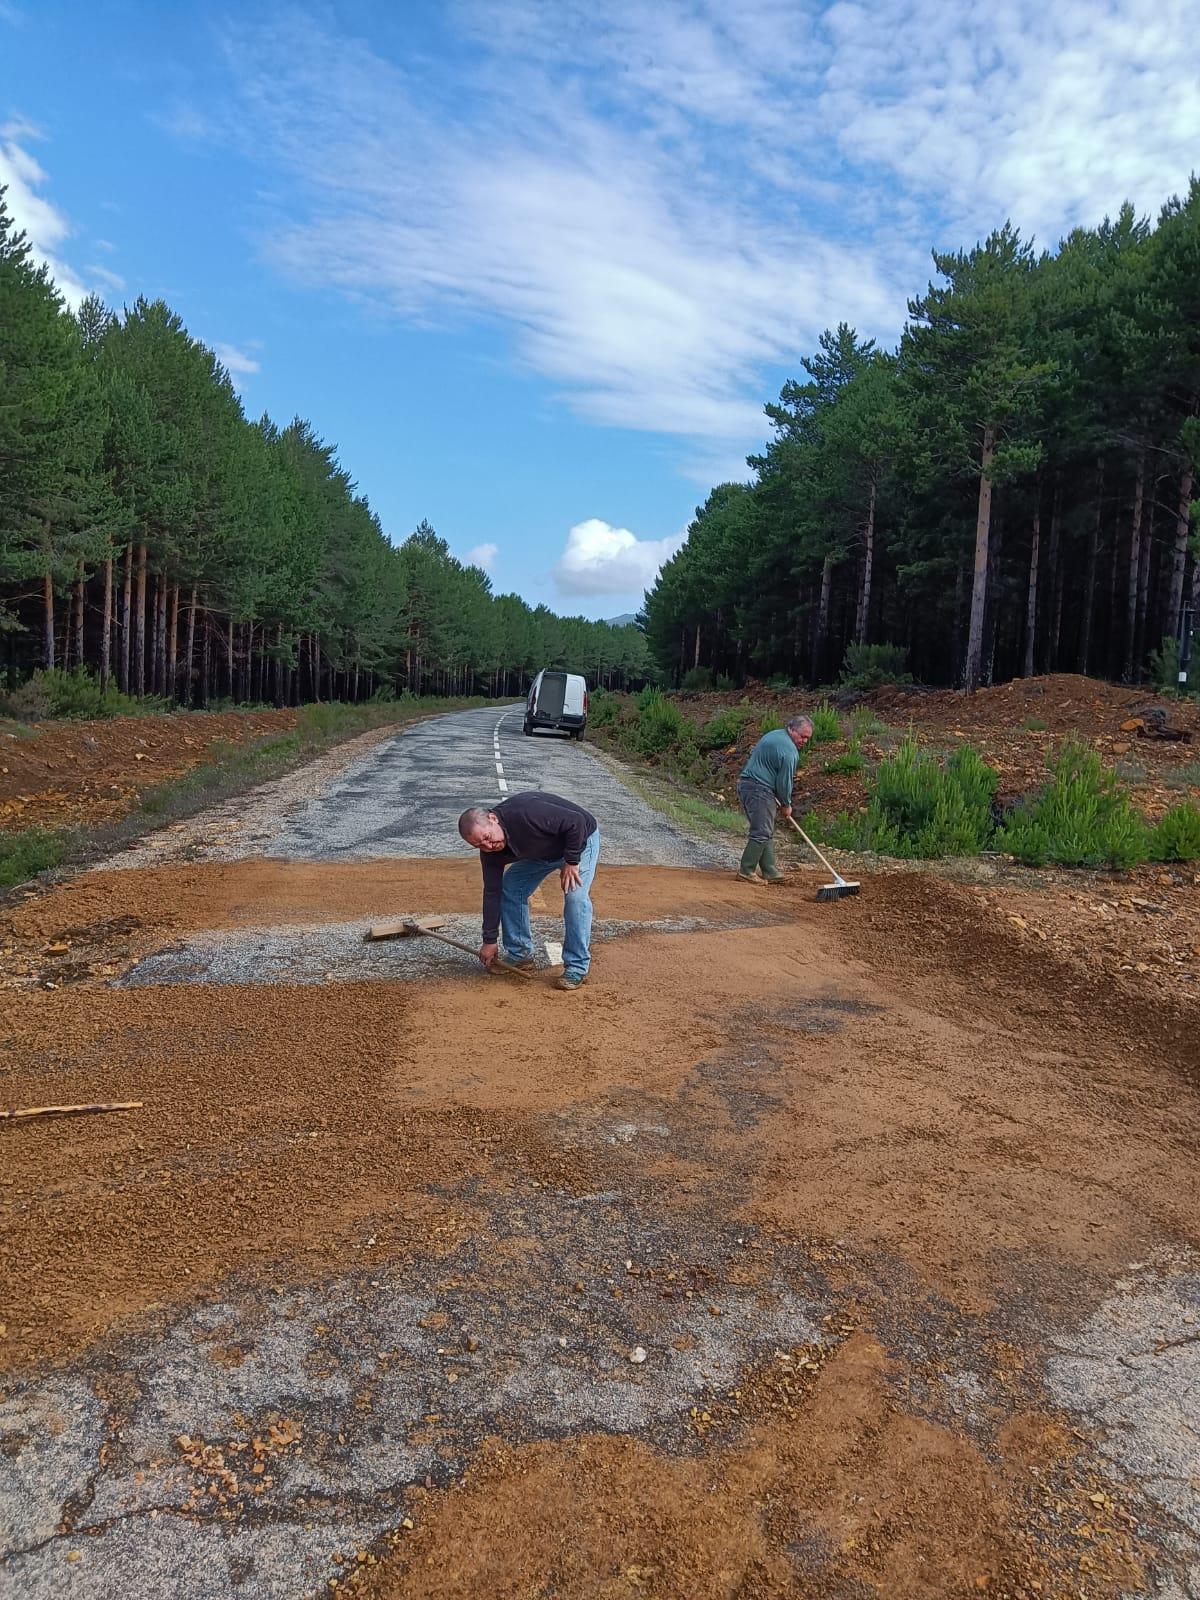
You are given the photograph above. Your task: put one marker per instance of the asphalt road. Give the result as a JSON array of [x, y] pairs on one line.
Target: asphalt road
[[404, 797]]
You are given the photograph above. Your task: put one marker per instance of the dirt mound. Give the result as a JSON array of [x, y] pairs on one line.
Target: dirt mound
[[1066, 702], [79, 774]]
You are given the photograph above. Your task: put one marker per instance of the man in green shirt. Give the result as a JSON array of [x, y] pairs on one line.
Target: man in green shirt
[[765, 791]]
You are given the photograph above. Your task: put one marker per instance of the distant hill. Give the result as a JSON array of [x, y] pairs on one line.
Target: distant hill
[[621, 621]]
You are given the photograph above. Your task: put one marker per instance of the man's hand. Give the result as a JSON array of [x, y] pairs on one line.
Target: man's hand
[[568, 876], [785, 811], [488, 953]]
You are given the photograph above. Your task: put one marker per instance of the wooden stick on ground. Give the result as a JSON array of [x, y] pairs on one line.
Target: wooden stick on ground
[[70, 1111]]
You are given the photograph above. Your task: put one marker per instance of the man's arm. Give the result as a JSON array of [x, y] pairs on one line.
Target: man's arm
[[493, 880], [785, 778]]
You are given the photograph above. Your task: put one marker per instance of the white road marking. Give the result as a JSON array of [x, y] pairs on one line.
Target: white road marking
[[501, 782]]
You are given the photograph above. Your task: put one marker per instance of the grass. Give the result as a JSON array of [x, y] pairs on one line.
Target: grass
[[1184, 777], [227, 770], [23, 855], [1034, 725]]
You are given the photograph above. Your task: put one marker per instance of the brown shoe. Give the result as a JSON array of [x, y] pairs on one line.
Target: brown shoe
[[570, 981], [744, 877], [527, 964]]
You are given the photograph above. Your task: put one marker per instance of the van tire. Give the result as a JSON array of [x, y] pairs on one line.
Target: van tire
[[527, 728]]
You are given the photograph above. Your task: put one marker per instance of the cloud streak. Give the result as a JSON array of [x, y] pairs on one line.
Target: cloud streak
[[664, 204]]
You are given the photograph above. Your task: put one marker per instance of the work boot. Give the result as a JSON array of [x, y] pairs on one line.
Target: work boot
[[769, 866], [751, 856], [571, 981], [522, 964]]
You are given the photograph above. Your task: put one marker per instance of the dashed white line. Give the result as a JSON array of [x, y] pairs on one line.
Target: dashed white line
[[500, 779]]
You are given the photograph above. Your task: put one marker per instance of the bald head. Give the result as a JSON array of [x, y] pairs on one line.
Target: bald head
[[482, 829]]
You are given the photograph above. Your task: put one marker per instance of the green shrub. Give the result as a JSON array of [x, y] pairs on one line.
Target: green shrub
[[917, 807], [780, 684], [850, 761], [604, 708], [826, 727], [23, 855], [724, 682], [697, 680], [1034, 725], [1164, 666], [723, 729], [1082, 818], [660, 723], [54, 693], [866, 666], [1176, 835], [768, 722]]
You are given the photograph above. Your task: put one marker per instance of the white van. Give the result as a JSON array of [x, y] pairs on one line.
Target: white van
[[557, 700]]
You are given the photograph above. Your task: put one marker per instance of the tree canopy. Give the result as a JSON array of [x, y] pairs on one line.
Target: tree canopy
[[1011, 490], [153, 532]]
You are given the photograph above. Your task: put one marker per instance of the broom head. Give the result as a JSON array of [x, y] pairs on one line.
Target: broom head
[[837, 891]]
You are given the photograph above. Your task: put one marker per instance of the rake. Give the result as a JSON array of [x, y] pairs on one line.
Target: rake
[[841, 887], [430, 927]]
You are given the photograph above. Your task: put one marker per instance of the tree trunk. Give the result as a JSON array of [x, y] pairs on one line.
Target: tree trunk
[[206, 663], [173, 646], [979, 588], [48, 627], [1054, 578], [1089, 582], [191, 645], [696, 652], [160, 637], [139, 625], [126, 618], [862, 623], [1133, 586], [818, 652], [230, 687], [1182, 519], [79, 589], [1031, 604], [991, 625], [106, 632]]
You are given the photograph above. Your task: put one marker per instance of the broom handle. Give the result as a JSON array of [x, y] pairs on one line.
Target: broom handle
[[828, 865], [471, 951]]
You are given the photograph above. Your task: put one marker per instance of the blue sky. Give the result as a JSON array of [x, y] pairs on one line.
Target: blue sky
[[535, 267]]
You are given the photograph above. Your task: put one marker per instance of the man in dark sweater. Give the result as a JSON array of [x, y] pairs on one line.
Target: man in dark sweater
[[521, 842]]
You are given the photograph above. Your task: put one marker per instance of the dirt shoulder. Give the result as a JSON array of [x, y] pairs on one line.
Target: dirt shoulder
[[84, 774]]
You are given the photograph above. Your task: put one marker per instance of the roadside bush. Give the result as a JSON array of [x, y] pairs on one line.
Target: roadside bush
[[866, 666], [55, 693], [826, 727], [24, 854], [1082, 818], [723, 729], [697, 680], [918, 807], [604, 708], [780, 684], [1164, 666], [850, 761], [1176, 835], [769, 721], [660, 723]]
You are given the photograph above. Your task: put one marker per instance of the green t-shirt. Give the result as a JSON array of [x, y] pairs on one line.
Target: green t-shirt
[[773, 763]]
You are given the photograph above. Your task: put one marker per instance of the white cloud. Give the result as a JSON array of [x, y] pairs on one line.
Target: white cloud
[[236, 362], [665, 203], [45, 224], [483, 555], [601, 559]]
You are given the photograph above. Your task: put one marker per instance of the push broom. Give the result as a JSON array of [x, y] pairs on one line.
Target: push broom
[[840, 887]]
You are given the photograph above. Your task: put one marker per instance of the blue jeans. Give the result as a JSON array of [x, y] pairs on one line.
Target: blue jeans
[[521, 879]]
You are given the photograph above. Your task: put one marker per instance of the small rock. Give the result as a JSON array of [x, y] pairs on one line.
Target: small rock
[[637, 1355]]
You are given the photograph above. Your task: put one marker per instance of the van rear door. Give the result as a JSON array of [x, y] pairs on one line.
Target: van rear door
[[552, 693]]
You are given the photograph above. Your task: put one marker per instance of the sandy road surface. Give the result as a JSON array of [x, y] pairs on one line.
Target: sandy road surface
[[809, 1251]]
